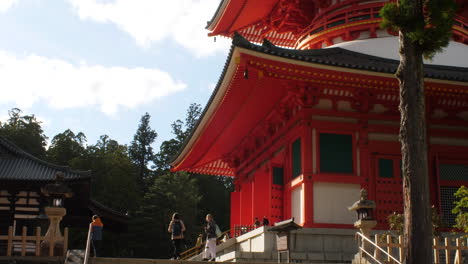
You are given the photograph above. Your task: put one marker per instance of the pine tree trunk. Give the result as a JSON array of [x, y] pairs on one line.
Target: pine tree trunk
[[417, 212]]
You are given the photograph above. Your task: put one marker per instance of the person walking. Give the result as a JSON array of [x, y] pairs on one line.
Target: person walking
[[210, 247], [177, 229], [96, 234]]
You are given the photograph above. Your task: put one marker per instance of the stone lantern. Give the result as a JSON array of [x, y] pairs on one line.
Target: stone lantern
[[365, 217], [56, 192]]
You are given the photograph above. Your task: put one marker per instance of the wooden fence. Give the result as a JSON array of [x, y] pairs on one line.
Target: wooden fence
[[446, 250], [29, 245]]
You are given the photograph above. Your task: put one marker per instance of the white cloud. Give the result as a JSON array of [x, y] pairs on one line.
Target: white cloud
[[150, 21], [61, 85], [6, 4]]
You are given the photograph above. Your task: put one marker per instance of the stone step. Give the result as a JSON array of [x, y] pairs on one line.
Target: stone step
[[75, 256]]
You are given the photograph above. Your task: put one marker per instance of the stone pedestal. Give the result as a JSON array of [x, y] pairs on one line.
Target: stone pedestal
[[53, 239], [366, 226]]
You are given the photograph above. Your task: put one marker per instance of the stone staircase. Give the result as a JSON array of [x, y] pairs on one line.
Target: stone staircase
[[167, 261]]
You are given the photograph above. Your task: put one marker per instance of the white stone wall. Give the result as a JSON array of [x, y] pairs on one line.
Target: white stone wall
[[297, 204], [331, 201]]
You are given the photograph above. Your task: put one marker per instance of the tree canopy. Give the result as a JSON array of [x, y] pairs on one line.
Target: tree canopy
[[25, 131]]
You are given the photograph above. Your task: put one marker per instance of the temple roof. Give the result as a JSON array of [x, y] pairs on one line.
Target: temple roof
[[288, 23], [349, 59], [237, 105], [16, 164]]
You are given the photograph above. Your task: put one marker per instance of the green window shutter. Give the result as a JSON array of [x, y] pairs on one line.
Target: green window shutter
[[278, 175], [336, 153], [386, 168], [296, 158]]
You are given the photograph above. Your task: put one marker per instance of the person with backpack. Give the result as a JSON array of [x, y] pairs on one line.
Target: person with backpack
[[210, 246], [177, 229]]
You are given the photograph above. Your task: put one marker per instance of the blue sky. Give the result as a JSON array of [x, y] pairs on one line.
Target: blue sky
[[97, 66]]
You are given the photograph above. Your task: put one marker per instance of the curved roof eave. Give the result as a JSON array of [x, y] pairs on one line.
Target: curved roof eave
[[203, 116], [217, 15]]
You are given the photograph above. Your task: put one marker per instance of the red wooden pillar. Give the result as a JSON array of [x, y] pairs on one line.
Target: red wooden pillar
[[261, 187], [307, 171], [246, 202]]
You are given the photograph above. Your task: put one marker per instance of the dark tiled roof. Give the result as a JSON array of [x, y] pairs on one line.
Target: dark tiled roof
[[349, 59], [16, 164]]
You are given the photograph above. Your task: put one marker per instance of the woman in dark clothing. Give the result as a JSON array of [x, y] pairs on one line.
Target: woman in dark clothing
[[210, 246], [177, 229]]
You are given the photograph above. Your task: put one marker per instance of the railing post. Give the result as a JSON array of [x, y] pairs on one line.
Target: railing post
[[10, 241], [376, 251], [38, 241], [458, 251], [389, 249], [447, 250], [400, 242], [436, 251], [23, 241], [52, 245]]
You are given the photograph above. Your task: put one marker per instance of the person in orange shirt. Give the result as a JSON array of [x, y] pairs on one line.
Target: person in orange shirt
[[96, 234]]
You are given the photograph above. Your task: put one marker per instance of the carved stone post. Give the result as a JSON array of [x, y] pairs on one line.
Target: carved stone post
[[366, 226], [53, 243], [53, 239]]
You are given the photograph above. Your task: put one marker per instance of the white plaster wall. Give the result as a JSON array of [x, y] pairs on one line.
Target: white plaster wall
[[257, 244], [331, 202], [297, 204], [456, 54], [244, 246]]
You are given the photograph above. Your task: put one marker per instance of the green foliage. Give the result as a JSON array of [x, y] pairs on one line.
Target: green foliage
[[215, 198], [461, 209], [171, 192], [181, 130], [396, 222], [114, 181], [141, 151], [25, 131], [430, 29], [65, 147]]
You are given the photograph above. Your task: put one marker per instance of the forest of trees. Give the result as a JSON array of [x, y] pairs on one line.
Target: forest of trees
[[133, 179]]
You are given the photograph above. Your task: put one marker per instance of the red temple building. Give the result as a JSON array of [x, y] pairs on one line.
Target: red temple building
[[305, 113]]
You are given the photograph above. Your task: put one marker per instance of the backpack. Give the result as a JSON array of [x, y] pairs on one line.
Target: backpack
[[176, 229], [218, 232]]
